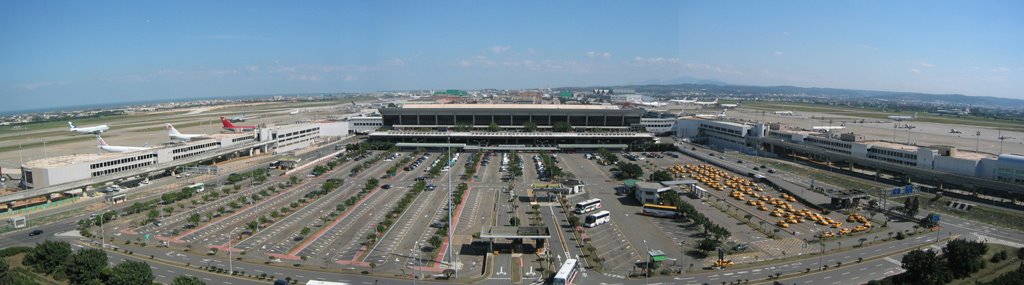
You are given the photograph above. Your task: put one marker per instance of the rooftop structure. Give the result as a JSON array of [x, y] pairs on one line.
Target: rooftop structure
[[512, 106]]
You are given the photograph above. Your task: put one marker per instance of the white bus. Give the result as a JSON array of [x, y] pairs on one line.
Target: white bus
[[661, 211], [566, 273], [597, 219], [588, 206]]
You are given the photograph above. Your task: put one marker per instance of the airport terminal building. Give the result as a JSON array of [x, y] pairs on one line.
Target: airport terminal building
[[589, 124], [96, 166]]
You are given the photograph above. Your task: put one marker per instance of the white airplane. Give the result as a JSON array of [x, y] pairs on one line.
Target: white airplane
[[829, 128], [296, 111], [784, 113], [175, 135], [684, 100], [903, 118], [955, 131], [111, 148], [729, 105], [712, 116], [715, 102], [956, 112], [239, 118], [89, 130], [651, 104]]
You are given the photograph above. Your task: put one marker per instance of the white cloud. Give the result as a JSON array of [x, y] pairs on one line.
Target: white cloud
[[1000, 69], [778, 53], [350, 78], [924, 64], [655, 60], [593, 54], [915, 70], [499, 49], [305, 77]]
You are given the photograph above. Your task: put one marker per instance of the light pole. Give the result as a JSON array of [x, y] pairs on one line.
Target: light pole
[[977, 140], [451, 224], [231, 267], [103, 239], [647, 267], [412, 251]]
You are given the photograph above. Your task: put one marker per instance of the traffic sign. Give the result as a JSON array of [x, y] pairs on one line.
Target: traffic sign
[[936, 217], [908, 189]]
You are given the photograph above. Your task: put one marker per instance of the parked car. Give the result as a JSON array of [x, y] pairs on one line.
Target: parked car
[[35, 232]]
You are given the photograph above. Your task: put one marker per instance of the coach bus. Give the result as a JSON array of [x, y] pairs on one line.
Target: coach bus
[[566, 274], [597, 219], [588, 206], [655, 210]]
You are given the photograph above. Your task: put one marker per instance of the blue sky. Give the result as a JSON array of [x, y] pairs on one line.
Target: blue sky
[[55, 53]]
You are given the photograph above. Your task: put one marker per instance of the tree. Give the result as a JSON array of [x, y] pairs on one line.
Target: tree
[[966, 255], [194, 218], [293, 179], [252, 225], [530, 126], [130, 273], [574, 221], [48, 257], [493, 127], [435, 241], [708, 244], [514, 221], [630, 170], [304, 231], [13, 277], [153, 214], [374, 265], [85, 265], [661, 175], [748, 217], [168, 210], [925, 268], [561, 127], [187, 280]]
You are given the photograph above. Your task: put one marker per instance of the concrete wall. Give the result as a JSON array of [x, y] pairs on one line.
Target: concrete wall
[[956, 165]]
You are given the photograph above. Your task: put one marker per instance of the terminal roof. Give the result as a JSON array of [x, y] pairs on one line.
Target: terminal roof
[[511, 106]]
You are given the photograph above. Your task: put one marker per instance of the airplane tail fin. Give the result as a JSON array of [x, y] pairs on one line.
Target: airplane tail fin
[[171, 130], [723, 113], [101, 142], [915, 115], [71, 124], [226, 123]]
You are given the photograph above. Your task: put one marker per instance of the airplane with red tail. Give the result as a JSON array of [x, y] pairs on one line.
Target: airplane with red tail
[[231, 127]]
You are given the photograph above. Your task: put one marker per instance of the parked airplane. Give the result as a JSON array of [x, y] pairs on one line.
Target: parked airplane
[[784, 113], [956, 112], [683, 101], [89, 130], [829, 128], [651, 104], [111, 148], [175, 135], [231, 127], [729, 105], [955, 131], [706, 103], [903, 118], [239, 118], [712, 116], [296, 111]]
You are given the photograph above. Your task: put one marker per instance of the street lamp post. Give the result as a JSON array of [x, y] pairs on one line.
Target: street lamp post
[[231, 267], [647, 267]]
